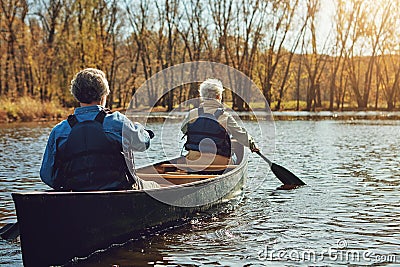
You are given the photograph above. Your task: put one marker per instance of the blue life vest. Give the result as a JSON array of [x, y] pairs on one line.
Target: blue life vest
[[89, 160], [207, 135]]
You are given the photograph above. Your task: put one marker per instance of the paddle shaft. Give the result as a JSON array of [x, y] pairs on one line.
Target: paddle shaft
[[264, 158]]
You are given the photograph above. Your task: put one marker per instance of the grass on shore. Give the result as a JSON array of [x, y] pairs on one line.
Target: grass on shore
[[27, 109], [30, 109]]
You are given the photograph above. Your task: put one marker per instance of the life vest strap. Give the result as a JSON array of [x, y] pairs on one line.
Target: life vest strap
[[72, 120], [100, 116], [217, 113]]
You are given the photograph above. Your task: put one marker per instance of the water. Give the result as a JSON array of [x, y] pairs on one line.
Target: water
[[348, 214]]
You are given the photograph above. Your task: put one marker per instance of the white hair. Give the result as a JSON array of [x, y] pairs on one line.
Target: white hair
[[211, 88]]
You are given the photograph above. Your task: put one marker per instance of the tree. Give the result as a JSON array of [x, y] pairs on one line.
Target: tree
[[14, 14], [49, 13], [288, 67], [315, 62], [342, 35], [368, 34], [278, 24], [193, 31]]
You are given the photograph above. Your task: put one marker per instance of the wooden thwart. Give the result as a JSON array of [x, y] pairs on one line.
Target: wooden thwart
[[197, 167], [185, 167], [175, 176]]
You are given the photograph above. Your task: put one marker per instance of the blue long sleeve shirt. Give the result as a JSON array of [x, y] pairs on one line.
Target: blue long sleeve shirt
[[117, 126]]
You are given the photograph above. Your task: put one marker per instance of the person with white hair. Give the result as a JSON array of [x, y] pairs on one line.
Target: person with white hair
[[209, 128], [84, 152]]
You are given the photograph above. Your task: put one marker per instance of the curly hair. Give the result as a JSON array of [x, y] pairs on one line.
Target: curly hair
[[89, 85]]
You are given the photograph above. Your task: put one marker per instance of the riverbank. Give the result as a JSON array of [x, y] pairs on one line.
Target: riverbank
[[31, 110], [276, 115], [27, 109]]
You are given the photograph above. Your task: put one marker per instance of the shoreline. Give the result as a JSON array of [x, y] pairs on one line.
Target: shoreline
[[160, 116], [34, 120]]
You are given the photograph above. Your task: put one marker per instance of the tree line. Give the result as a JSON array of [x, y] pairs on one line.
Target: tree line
[[276, 43]]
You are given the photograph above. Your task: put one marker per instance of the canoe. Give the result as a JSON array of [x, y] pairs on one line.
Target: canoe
[[56, 227]]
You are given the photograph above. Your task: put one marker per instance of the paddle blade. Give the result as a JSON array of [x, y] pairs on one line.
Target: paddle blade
[[9, 231], [285, 176]]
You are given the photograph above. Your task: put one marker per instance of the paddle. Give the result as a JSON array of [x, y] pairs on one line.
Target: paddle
[[288, 179], [9, 231]]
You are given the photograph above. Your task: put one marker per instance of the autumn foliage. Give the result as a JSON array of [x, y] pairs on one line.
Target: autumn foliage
[[355, 64]]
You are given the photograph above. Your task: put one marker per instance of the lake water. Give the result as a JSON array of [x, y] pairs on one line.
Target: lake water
[[348, 214]]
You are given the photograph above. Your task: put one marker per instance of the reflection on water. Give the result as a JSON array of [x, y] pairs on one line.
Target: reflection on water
[[350, 204], [21, 149]]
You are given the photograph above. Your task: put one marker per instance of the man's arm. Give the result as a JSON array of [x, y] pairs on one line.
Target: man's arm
[[184, 124], [135, 136], [47, 168], [240, 134]]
